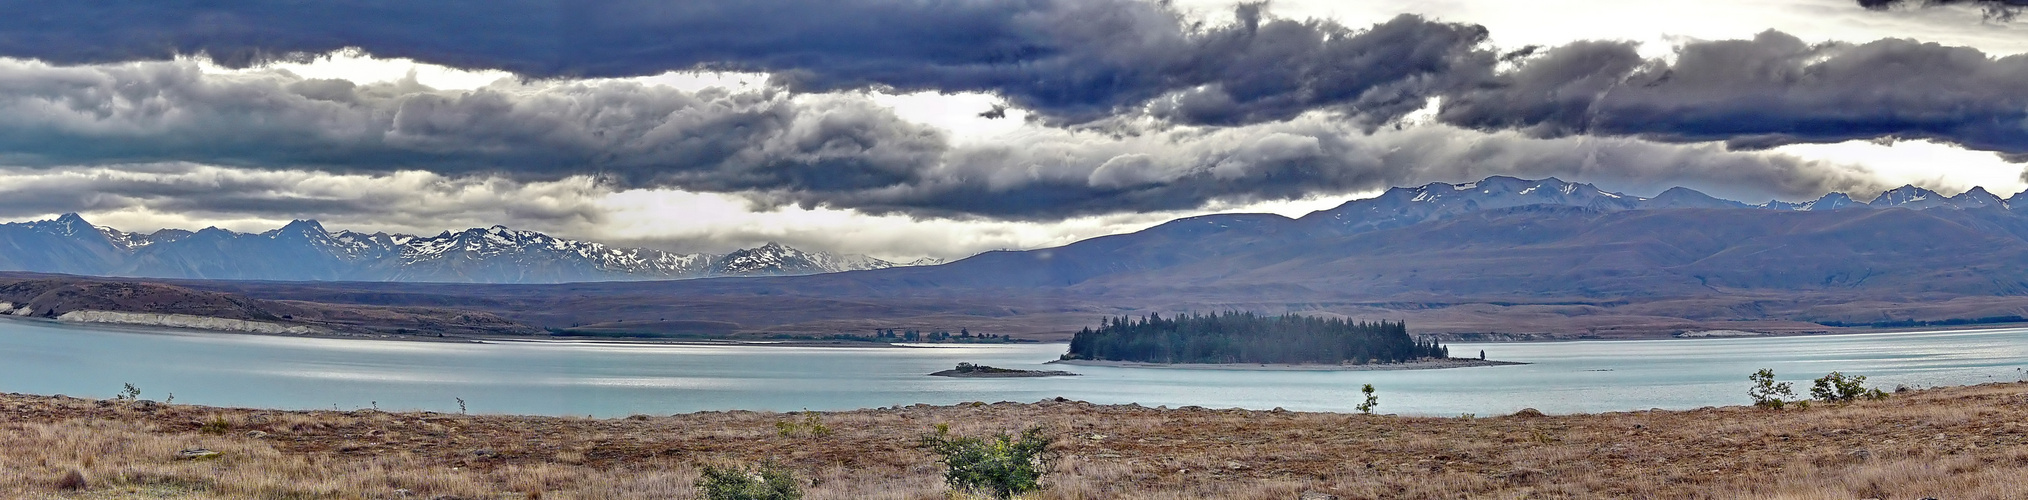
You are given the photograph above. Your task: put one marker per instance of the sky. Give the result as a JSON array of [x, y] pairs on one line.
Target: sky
[[912, 128]]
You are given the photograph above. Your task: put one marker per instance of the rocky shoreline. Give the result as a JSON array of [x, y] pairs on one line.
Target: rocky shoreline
[[968, 370]]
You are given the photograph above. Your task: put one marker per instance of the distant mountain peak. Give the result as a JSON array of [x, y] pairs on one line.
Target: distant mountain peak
[[1977, 197], [305, 250], [1404, 206], [1907, 195], [1682, 197], [301, 227], [69, 224]]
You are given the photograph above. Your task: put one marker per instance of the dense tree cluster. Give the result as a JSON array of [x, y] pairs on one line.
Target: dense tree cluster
[[963, 335], [1244, 337]]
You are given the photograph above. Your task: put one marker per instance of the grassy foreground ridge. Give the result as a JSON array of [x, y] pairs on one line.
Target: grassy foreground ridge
[[1956, 443]]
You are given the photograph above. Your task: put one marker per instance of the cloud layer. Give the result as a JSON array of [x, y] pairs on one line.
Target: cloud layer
[[1072, 60], [1080, 61], [1768, 91], [630, 134], [2002, 10], [812, 150]]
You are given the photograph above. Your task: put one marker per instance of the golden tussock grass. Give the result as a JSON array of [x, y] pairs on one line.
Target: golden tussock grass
[[1957, 443]]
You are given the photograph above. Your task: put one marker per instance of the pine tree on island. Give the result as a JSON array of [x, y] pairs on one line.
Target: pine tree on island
[[1244, 337]]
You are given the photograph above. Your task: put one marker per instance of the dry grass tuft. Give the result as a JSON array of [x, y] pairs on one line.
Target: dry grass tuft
[[1960, 443]]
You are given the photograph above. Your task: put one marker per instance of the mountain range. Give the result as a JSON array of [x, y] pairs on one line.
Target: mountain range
[[1498, 258], [304, 251]]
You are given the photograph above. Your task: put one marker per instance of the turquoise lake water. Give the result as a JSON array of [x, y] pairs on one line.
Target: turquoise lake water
[[604, 379]]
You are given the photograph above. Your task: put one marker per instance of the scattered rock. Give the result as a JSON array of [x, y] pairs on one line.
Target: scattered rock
[[197, 454], [1316, 495], [968, 370], [1529, 413]]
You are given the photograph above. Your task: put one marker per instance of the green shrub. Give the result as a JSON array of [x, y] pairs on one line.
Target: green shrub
[[1371, 400], [1000, 466], [767, 481], [812, 425], [1838, 388], [217, 425], [1767, 393]]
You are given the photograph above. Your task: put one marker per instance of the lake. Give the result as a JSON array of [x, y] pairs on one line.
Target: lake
[[608, 379]]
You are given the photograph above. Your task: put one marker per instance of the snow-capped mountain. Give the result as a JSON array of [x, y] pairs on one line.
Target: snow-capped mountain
[[1403, 206], [775, 259], [1913, 197], [1830, 201], [305, 250]]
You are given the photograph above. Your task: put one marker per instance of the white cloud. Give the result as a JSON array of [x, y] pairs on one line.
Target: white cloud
[[1944, 168], [358, 67], [1659, 24]]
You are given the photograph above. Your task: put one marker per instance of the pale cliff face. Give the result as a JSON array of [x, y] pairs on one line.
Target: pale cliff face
[[183, 321]]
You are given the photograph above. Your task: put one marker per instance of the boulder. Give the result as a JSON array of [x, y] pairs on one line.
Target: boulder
[[197, 454]]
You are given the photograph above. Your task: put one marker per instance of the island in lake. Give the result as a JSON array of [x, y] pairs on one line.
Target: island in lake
[[1244, 340], [968, 370]]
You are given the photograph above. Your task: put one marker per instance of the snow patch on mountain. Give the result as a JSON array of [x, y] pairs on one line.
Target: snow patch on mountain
[[304, 249]]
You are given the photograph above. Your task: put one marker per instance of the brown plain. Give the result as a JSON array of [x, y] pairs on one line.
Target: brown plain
[[1956, 443]]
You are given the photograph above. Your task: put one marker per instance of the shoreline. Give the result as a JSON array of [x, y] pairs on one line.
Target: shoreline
[[324, 332], [177, 330], [1412, 365]]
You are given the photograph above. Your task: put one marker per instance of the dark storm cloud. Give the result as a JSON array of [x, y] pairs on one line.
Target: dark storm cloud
[[631, 134], [1051, 177], [1769, 91], [836, 150], [1071, 60], [2002, 10]]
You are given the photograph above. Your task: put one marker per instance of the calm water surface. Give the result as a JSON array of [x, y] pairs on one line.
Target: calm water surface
[[577, 378]]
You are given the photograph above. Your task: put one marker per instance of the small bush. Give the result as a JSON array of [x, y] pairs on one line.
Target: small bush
[[1838, 388], [1000, 466], [766, 481], [217, 425], [1371, 400], [1767, 393], [812, 425], [71, 480], [129, 393]]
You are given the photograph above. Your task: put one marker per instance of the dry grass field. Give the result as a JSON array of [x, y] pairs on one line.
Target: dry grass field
[[1953, 443]]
